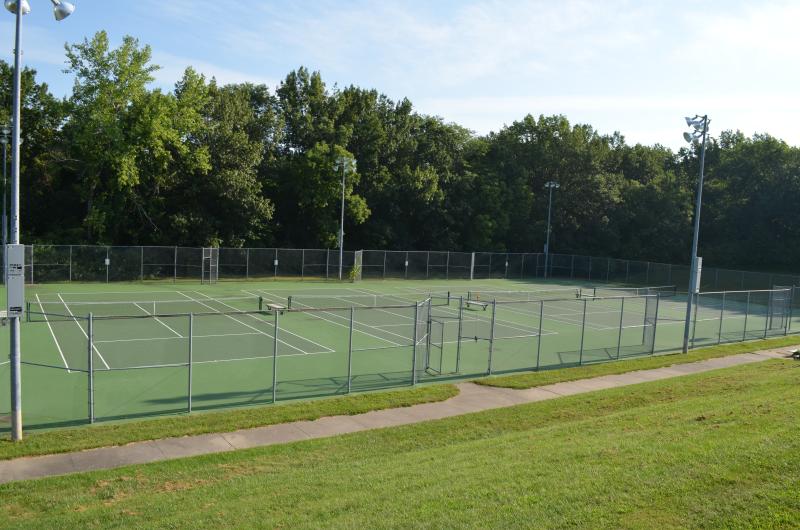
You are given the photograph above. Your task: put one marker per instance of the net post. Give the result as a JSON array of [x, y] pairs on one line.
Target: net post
[[721, 317], [414, 347], [619, 334], [289, 302], [583, 331], [141, 263], [260, 303], [90, 363], [460, 329], [275, 359], [175, 266], [70, 263], [191, 362], [539, 334], [350, 352], [491, 336]]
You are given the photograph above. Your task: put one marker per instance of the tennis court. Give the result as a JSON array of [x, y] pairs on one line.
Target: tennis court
[[171, 348]]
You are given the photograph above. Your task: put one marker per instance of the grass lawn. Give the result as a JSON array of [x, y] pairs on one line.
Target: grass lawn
[[713, 450], [548, 377], [102, 435]]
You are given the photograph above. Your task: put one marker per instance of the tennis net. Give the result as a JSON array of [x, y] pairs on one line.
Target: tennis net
[[38, 311], [523, 296], [309, 301], [600, 292]]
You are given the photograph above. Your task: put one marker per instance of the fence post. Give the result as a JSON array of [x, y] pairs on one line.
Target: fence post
[[327, 263], [655, 325], [108, 264], [406, 275], [247, 263], [647, 275], [350, 353], [746, 313], [571, 268], [414, 347], [768, 316], [90, 342], [608, 269], [590, 268], [627, 271], [141, 264], [539, 335], [275, 359], [491, 335], [791, 310], [175, 266], [472, 267], [721, 317], [460, 329], [70, 263], [384, 264], [619, 335], [669, 273], [303, 264], [191, 353], [447, 267], [583, 331], [428, 265], [697, 298], [522, 268], [275, 264]]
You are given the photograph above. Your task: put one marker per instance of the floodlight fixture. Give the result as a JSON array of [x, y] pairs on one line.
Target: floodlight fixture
[[62, 10], [11, 6]]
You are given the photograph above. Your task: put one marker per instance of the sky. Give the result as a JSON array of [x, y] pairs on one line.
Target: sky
[[636, 67]]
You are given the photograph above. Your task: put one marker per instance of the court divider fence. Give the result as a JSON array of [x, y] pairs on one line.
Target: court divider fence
[[84, 263], [198, 363]]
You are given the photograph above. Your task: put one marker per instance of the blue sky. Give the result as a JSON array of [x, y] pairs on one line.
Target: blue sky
[[633, 66]]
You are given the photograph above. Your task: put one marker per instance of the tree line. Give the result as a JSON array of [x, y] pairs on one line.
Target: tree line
[[118, 162]]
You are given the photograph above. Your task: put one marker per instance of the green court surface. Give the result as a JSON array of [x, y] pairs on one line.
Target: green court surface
[[142, 361]]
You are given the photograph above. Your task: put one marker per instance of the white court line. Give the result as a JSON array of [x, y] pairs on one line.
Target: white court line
[[159, 321], [94, 347], [60, 352], [148, 339], [315, 315], [8, 362], [115, 292], [240, 322], [264, 321]]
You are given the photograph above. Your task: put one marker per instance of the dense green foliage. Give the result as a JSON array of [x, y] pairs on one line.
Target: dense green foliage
[[118, 162]]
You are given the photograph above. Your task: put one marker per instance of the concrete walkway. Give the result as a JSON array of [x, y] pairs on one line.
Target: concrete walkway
[[472, 398]]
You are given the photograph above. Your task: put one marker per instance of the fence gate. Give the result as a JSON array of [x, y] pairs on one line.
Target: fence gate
[[210, 265], [779, 312]]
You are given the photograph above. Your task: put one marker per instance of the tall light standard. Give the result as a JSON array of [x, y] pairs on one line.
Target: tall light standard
[[699, 124], [345, 165], [5, 136], [61, 10], [551, 185]]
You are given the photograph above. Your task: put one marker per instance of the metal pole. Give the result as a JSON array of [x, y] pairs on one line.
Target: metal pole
[[108, 264], [583, 332], [141, 262], [247, 264], [694, 325], [70, 263], [341, 228], [572, 267], [447, 267], [384, 264], [5, 213], [303, 265], [16, 368], [327, 263], [175, 266], [275, 359], [350, 353], [721, 316], [619, 336], [428, 265], [460, 329], [414, 348], [191, 354], [746, 313], [655, 325], [547, 238], [693, 267], [90, 362], [539, 336], [491, 335]]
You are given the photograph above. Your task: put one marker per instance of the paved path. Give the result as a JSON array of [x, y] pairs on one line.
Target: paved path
[[472, 398]]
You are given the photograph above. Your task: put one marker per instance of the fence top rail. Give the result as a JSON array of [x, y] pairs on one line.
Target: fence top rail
[[746, 291], [582, 299]]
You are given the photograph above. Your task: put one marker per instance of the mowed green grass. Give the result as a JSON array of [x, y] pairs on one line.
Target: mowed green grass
[[714, 450]]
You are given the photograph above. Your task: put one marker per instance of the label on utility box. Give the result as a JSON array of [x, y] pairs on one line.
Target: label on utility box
[[15, 279]]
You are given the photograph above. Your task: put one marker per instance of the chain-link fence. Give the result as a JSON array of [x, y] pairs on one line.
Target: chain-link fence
[[130, 358], [83, 263]]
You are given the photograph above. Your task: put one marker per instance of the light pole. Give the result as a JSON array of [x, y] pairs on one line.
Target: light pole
[[551, 185], [699, 124], [5, 136], [61, 10], [343, 164]]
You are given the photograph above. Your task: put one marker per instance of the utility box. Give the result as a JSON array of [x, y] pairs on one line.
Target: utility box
[[15, 254], [697, 274]]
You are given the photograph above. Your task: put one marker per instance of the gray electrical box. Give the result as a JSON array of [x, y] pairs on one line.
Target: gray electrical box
[[16, 279]]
